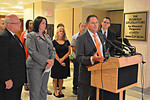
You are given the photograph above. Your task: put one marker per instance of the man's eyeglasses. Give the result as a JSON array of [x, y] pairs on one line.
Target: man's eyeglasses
[[15, 23], [107, 22]]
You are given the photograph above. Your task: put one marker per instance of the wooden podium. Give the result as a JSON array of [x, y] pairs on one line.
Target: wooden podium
[[118, 74]]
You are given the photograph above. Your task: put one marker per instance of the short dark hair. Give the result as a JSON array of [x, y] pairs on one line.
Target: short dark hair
[[107, 18], [81, 23], [37, 22], [27, 24], [88, 18]]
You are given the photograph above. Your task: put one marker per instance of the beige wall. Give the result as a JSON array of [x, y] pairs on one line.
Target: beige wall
[[28, 13], [64, 16], [40, 8], [142, 46], [77, 19], [48, 6]]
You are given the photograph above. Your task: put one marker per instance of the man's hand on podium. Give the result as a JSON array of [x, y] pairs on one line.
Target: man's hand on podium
[[97, 58]]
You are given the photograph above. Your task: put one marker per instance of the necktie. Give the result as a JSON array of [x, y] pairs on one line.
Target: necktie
[[97, 45], [16, 37], [105, 34]]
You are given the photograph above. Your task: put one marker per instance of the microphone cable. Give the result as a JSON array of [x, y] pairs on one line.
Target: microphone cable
[[142, 76], [102, 81]]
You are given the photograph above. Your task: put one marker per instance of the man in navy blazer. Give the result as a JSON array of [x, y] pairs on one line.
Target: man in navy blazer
[[12, 60], [86, 55]]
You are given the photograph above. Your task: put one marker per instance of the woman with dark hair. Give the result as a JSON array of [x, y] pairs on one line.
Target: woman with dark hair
[[61, 68], [29, 25], [40, 60], [23, 37]]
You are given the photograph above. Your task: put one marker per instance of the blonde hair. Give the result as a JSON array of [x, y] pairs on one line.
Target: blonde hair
[[64, 36]]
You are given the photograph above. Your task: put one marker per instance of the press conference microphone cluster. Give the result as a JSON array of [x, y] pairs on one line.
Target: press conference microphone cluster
[[119, 49], [116, 47]]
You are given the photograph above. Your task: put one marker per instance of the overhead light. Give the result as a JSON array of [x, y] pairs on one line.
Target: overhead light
[[17, 7], [4, 11], [20, 2], [13, 11], [17, 13]]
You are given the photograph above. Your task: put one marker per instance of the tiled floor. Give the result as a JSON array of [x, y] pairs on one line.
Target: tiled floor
[[131, 94]]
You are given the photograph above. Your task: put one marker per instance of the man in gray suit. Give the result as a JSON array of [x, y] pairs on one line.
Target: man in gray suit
[[87, 55]]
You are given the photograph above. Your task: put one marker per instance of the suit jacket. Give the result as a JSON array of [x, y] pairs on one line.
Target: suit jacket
[[12, 60], [85, 49], [111, 36], [39, 50]]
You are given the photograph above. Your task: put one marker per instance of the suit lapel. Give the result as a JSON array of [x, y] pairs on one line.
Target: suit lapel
[[13, 38], [90, 41], [109, 35], [15, 41]]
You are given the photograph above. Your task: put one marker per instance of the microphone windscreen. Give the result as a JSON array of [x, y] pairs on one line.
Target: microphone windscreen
[[126, 42]]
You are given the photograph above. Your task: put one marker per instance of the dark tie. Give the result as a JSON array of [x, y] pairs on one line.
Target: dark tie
[[16, 37], [105, 34]]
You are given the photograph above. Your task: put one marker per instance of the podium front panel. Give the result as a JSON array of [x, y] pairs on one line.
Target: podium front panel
[[127, 75]]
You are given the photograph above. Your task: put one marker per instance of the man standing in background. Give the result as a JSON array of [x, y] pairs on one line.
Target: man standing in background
[[82, 29], [1, 24], [12, 60], [108, 34]]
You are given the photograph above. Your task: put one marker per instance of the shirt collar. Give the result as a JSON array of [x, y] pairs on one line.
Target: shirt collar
[[11, 32], [103, 31], [91, 33]]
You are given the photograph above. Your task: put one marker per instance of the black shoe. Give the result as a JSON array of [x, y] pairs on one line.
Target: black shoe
[[75, 92], [58, 96], [63, 87], [61, 95], [49, 92]]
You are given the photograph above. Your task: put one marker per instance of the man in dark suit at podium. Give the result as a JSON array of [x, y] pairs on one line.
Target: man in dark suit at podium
[[105, 24], [12, 60], [88, 53]]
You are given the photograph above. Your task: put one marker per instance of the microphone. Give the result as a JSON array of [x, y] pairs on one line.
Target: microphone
[[119, 49], [106, 55], [126, 42], [120, 44], [132, 48]]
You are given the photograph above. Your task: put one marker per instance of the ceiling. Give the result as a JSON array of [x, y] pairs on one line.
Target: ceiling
[[16, 6]]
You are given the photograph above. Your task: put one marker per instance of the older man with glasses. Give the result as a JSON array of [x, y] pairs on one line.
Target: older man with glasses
[[12, 60]]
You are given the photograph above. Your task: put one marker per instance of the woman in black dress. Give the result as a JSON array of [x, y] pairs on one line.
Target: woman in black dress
[[61, 68]]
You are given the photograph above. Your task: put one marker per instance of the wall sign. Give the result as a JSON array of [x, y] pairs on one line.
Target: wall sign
[[135, 26]]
